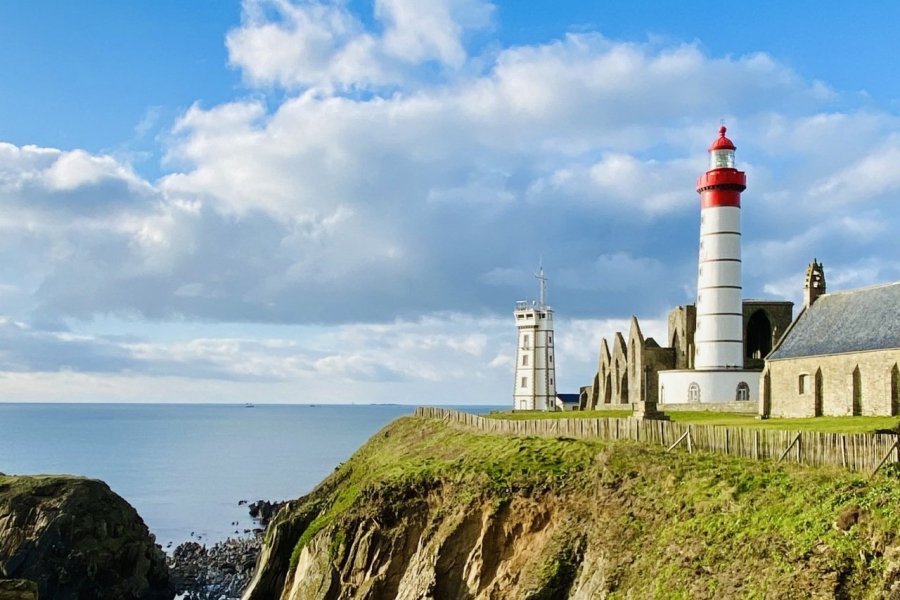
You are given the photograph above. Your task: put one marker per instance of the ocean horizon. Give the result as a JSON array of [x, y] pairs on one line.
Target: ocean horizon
[[186, 467]]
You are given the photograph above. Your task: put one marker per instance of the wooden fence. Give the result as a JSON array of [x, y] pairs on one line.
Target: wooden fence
[[856, 451]]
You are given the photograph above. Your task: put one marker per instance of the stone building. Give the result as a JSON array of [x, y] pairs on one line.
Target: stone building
[[630, 372], [839, 357]]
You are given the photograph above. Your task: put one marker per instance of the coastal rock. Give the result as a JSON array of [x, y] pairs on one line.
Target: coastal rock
[[18, 589], [75, 538]]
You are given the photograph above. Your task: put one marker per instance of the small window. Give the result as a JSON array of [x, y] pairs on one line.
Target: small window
[[524, 383], [551, 381], [526, 341], [551, 359], [550, 339], [803, 383], [743, 392], [524, 360], [694, 392]]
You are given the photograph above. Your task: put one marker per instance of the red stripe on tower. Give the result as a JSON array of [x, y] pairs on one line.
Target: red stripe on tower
[[722, 184]]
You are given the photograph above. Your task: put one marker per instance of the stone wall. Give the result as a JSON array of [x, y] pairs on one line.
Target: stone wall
[[830, 380], [729, 407]]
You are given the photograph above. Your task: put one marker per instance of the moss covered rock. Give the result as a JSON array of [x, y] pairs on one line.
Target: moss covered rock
[[75, 538]]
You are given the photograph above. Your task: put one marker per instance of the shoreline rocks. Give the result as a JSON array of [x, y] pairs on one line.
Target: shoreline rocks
[[223, 570]]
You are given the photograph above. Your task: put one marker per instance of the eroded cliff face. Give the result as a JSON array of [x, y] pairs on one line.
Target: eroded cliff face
[[75, 538], [424, 512], [437, 548]]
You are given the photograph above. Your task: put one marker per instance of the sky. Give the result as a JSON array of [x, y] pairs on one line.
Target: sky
[[341, 201]]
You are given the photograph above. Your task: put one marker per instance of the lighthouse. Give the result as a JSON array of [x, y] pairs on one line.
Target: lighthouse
[[535, 380], [717, 372], [719, 341]]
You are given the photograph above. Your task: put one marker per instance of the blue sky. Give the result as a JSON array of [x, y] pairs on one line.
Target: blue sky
[[340, 201]]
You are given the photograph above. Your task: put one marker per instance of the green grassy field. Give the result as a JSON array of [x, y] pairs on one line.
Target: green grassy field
[[823, 424], [683, 525]]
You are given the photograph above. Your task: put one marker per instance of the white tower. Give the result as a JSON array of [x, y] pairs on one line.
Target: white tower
[[719, 337], [718, 374], [535, 383]]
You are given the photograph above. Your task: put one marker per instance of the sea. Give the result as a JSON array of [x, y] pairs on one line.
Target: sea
[[188, 469]]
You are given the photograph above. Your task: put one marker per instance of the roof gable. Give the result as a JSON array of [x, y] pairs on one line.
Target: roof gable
[[852, 321]]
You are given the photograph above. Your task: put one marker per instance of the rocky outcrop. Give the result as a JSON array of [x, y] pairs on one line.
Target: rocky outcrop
[[75, 538]]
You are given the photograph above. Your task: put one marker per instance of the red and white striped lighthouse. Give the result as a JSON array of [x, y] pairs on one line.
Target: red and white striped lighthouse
[[718, 339]]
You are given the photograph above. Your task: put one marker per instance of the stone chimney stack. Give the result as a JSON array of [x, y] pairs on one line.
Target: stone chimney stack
[[815, 283]]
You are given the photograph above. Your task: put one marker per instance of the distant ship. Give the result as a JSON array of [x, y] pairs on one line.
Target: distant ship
[[249, 405]]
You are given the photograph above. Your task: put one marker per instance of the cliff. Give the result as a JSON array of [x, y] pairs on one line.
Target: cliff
[[75, 538], [426, 511]]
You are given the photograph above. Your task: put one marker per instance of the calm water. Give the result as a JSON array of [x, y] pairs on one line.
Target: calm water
[[185, 467]]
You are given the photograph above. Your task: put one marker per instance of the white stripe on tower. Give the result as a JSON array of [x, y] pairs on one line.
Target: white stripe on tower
[[718, 338]]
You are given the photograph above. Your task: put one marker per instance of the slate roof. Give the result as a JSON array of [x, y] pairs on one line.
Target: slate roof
[[568, 398], [851, 321]]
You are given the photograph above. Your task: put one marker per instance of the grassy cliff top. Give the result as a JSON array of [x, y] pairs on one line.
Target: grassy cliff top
[[676, 516]]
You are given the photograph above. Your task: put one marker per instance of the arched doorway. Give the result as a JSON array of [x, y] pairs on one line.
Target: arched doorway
[[759, 336], [857, 393]]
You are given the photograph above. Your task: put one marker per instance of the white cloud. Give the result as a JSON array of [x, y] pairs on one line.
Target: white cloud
[[399, 182]]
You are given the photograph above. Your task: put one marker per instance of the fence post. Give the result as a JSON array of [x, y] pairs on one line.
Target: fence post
[[788, 449], [844, 450]]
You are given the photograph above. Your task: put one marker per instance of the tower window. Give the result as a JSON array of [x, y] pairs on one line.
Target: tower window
[[524, 360], [551, 358], [526, 341], [524, 382]]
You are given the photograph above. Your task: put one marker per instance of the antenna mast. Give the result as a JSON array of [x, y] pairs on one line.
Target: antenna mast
[[543, 282]]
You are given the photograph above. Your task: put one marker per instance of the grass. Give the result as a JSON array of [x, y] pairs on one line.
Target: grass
[[821, 424], [675, 525]]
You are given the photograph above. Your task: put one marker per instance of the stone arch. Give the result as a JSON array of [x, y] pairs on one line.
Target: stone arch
[[605, 367], [620, 368], [636, 346], [758, 336], [623, 389], [895, 390], [818, 402], [591, 401], [856, 392]]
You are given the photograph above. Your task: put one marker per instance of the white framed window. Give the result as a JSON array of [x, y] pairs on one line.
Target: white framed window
[[526, 341], [694, 392], [524, 360], [743, 391], [524, 382]]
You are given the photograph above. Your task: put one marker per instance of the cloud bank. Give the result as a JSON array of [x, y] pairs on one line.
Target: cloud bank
[[382, 170]]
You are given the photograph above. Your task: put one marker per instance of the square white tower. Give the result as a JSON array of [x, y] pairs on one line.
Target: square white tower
[[535, 382]]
